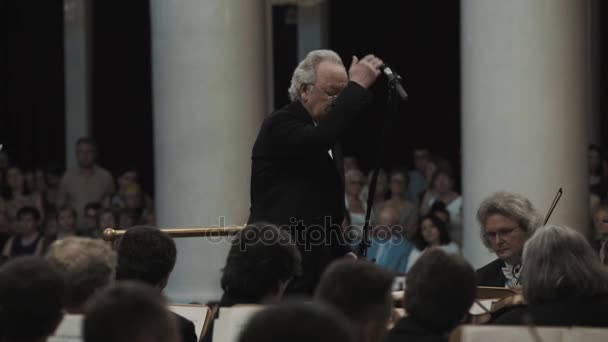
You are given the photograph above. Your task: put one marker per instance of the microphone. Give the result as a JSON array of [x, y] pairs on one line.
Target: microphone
[[394, 79]]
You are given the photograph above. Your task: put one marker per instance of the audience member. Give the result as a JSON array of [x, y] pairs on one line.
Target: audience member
[[362, 292], [398, 199], [126, 218], [86, 183], [260, 264], [67, 222], [564, 283], [392, 253], [350, 163], [148, 255], [106, 219], [442, 190], [52, 179], [417, 176], [88, 265], [129, 312], [432, 233], [16, 194], [439, 210], [440, 290], [89, 222], [27, 240], [507, 220], [297, 323], [599, 231], [32, 294], [356, 207], [596, 185]]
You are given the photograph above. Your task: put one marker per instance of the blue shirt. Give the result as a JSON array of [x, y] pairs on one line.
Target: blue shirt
[[392, 254]]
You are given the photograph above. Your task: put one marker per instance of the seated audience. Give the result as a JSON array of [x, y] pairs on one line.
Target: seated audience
[[88, 265], [27, 240], [597, 184], [417, 176], [442, 190], [148, 255], [362, 292], [260, 264], [52, 178], [354, 204], [564, 284], [432, 234], [439, 210], [129, 312], [408, 214], [440, 290], [106, 219], [89, 222], [297, 323], [66, 220], [31, 299], [350, 163], [507, 220], [391, 242], [17, 194]]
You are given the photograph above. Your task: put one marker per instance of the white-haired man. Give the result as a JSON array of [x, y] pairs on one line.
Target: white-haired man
[[297, 175]]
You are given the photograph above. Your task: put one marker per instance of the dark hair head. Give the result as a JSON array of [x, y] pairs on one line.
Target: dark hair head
[[440, 290], [358, 289], [128, 312], [145, 254], [86, 141], [27, 210], [303, 322], [260, 258], [441, 171], [439, 207], [444, 234], [400, 171], [31, 299]]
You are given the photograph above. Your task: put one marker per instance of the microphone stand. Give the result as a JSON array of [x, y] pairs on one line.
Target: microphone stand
[[395, 91]]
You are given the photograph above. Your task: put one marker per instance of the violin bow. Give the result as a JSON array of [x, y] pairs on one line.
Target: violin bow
[[559, 194]]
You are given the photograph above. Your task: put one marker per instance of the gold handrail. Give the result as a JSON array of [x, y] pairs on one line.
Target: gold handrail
[[111, 234]]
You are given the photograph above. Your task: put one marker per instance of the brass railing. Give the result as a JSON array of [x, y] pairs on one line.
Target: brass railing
[[111, 234]]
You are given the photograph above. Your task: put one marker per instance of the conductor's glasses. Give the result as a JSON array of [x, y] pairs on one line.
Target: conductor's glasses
[[330, 97]]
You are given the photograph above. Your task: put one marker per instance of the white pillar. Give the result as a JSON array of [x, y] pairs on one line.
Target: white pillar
[[77, 27], [209, 99], [523, 108]]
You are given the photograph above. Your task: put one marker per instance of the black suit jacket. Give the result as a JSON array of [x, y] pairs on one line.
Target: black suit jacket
[[407, 329], [491, 274], [186, 329], [296, 184], [574, 311]]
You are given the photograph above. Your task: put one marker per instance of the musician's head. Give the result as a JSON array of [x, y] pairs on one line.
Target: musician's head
[[32, 293], [316, 82], [301, 322], [129, 312], [262, 260], [559, 263], [507, 220], [361, 291], [440, 290], [146, 254]]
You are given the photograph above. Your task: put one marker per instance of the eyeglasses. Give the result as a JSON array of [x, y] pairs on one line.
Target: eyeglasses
[[330, 97], [502, 233]]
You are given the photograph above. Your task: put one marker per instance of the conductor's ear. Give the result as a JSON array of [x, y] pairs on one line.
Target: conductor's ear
[[303, 91]]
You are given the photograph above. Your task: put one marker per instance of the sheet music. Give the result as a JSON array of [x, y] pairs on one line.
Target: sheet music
[[231, 321], [197, 314], [478, 310], [69, 330]]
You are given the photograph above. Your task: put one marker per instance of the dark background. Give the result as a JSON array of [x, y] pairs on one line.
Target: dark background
[[420, 39]]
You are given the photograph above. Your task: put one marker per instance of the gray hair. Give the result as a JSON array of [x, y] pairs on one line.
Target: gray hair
[[88, 265], [510, 205], [305, 71], [558, 262]]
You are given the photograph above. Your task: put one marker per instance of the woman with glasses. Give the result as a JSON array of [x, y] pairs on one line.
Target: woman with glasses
[[507, 220]]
